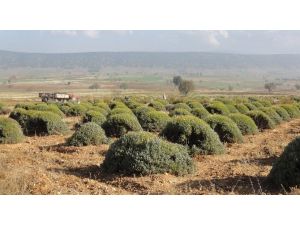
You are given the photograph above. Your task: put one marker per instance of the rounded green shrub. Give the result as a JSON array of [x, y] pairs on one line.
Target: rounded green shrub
[[182, 106], [217, 108], [231, 108], [141, 111], [272, 114], [102, 105], [157, 105], [10, 131], [4, 110], [242, 108], [88, 134], [286, 170], [257, 104], [39, 122], [131, 104], [76, 110], [41, 107], [282, 113], [292, 110], [250, 106], [194, 133], [261, 119], [117, 110], [200, 112], [265, 102], [244, 123], [179, 112], [142, 153], [119, 124], [194, 104], [93, 116], [227, 130], [154, 121], [117, 104]]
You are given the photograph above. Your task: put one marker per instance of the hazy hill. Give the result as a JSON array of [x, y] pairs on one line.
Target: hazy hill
[[98, 60]]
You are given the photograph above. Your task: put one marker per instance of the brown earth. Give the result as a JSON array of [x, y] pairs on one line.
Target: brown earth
[[42, 165]]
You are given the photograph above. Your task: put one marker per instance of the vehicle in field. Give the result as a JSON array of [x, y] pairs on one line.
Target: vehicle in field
[[58, 97]]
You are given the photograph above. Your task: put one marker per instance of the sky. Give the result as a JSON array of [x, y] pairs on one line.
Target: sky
[[242, 42]]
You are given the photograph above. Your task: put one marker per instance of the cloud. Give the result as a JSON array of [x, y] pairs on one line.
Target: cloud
[[90, 33], [73, 33], [212, 39]]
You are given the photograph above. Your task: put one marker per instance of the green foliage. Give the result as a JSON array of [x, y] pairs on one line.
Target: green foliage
[[231, 108], [286, 170], [200, 112], [257, 104], [195, 133], [76, 110], [120, 110], [88, 134], [242, 108], [244, 123], [4, 110], [41, 107], [39, 122], [10, 131], [179, 112], [217, 107], [117, 104], [119, 124], [154, 121], [93, 116], [292, 110], [272, 114], [227, 130], [194, 104], [182, 106], [157, 105], [282, 113], [102, 105], [132, 104], [250, 106], [142, 153], [261, 119]]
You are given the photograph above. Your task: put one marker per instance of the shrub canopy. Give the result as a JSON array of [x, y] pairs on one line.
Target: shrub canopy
[[217, 108], [244, 123], [119, 124], [88, 134], [144, 153], [227, 130], [10, 131], [194, 133], [93, 116], [261, 119], [286, 170]]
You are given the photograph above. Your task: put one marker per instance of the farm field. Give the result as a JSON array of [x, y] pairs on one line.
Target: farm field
[[227, 161]]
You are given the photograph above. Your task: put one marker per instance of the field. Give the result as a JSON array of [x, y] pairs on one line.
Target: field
[[44, 164]]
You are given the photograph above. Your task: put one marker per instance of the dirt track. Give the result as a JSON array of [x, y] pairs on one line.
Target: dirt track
[[41, 165]]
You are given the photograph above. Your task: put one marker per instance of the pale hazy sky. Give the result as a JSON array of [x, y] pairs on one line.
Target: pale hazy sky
[[245, 42]]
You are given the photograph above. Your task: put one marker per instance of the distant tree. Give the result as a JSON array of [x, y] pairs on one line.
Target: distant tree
[[186, 86], [69, 83], [297, 86], [124, 86], [230, 87], [94, 86], [270, 86], [177, 80]]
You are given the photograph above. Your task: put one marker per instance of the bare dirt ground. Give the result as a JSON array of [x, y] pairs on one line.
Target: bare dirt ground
[[42, 165]]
